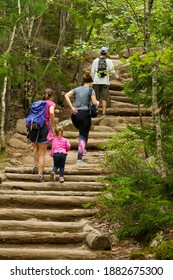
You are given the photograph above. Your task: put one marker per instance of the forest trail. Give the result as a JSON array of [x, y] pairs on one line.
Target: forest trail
[[49, 220]]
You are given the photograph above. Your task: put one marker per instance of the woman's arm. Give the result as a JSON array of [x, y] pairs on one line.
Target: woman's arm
[[93, 98], [67, 96], [52, 118]]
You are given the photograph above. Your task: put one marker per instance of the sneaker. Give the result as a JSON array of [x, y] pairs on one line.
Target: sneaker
[[35, 170], [61, 179], [80, 161], [85, 152], [40, 179], [52, 176]]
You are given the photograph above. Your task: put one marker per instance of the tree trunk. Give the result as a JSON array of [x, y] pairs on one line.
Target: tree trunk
[[3, 96], [157, 121], [59, 44]]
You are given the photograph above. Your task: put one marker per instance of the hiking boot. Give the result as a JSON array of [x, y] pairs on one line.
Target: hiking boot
[[61, 179], [40, 179], [35, 170], [52, 176], [80, 161]]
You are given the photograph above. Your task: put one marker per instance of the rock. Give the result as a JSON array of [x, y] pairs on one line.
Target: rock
[[127, 53], [2, 177], [21, 126], [14, 161], [116, 85], [18, 144]]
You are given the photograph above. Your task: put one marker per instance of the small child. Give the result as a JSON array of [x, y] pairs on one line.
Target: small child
[[59, 151]]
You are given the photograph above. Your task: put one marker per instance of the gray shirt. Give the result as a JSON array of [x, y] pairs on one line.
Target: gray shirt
[[82, 97]]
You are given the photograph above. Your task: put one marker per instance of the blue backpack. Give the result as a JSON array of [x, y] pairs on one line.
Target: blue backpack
[[37, 117]]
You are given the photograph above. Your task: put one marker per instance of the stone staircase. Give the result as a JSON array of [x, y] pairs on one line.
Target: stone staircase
[[49, 220]]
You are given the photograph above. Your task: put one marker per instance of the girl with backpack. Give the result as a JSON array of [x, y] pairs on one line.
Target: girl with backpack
[[59, 151], [38, 137], [80, 116]]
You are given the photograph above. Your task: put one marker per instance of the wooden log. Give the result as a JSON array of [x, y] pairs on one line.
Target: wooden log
[[52, 186], [46, 254], [42, 201], [50, 193], [36, 225], [96, 240], [45, 214], [28, 237], [71, 178], [72, 169]]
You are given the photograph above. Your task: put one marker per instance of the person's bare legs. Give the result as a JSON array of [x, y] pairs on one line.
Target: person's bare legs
[[104, 105], [42, 148], [36, 155]]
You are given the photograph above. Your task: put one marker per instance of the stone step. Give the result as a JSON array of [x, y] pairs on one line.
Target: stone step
[[127, 112], [35, 225], [114, 121], [117, 93], [122, 105], [92, 134], [47, 253], [37, 237], [116, 85], [121, 99], [39, 201], [59, 215], [52, 186]]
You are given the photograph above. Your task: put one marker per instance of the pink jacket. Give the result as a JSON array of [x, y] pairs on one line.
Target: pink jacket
[[59, 144]]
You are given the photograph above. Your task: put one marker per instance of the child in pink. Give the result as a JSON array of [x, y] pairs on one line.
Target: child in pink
[[59, 151]]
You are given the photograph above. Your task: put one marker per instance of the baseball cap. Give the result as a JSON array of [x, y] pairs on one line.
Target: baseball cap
[[104, 50]]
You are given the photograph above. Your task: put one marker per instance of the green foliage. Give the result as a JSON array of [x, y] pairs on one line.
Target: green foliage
[[165, 251], [136, 195], [140, 88], [137, 256]]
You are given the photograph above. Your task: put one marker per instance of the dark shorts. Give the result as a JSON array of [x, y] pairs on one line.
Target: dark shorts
[[38, 135], [102, 92]]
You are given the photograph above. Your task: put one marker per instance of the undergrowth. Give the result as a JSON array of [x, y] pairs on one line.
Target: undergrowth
[[135, 194]]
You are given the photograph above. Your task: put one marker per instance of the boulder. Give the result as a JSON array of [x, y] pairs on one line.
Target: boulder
[[127, 53], [18, 144], [21, 126]]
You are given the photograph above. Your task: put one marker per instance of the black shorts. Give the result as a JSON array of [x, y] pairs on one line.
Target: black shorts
[[38, 135]]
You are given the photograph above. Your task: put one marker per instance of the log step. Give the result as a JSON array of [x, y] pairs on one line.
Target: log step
[[33, 177], [28, 237], [48, 193], [86, 169], [39, 201], [51, 186], [22, 214], [47, 253], [35, 225]]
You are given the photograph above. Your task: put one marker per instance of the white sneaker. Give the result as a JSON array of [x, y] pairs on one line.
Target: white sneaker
[[80, 161], [52, 176], [61, 179]]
